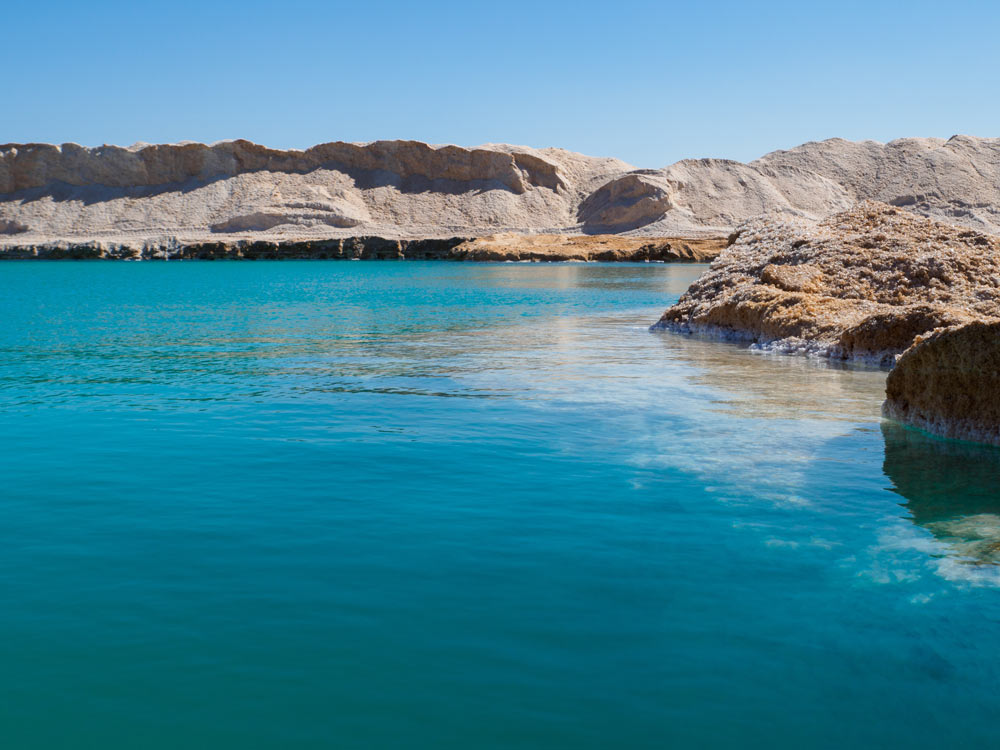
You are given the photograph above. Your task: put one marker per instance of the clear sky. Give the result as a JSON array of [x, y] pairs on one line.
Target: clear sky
[[649, 82]]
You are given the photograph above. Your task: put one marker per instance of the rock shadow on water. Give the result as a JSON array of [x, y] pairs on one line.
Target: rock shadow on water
[[951, 489], [761, 384]]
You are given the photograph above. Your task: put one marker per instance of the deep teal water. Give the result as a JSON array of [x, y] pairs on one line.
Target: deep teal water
[[373, 505]]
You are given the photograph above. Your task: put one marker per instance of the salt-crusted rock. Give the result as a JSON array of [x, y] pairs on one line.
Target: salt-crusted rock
[[948, 383], [870, 283], [862, 284], [800, 278]]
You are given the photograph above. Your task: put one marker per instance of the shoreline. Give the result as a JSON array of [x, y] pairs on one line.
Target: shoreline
[[790, 346], [873, 284], [495, 248]]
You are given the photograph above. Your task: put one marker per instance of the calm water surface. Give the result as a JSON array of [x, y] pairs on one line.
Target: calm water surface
[[378, 505]]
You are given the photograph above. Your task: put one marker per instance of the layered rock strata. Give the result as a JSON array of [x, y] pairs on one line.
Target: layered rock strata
[[408, 190], [598, 248]]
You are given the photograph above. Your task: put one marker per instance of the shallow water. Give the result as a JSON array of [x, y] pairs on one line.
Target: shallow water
[[357, 505]]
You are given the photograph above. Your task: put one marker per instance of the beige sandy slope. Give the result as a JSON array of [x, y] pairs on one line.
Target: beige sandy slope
[[407, 189]]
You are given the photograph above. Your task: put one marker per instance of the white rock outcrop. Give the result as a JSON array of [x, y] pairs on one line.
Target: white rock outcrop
[[407, 189]]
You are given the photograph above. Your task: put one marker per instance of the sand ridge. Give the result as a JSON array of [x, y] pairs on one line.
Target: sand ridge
[[408, 190]]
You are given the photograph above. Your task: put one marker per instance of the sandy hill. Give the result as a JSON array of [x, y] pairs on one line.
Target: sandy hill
[[407, 189]]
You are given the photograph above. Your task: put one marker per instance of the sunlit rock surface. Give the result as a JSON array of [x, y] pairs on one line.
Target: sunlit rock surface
[[948, 383], [412, 190], [862, 284], [509, 247], [871, 283]]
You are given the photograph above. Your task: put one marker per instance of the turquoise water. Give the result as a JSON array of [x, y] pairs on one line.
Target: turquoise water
[[383, 505]]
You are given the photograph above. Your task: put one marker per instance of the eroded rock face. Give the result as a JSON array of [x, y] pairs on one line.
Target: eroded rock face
[[502, 247], [955, 180], [12, 226], [33, 165], [862, 284], [403, 189], [627, 202], [948, 383], [408, 189]]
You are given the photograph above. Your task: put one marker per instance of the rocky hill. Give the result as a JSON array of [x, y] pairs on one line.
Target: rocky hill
[[407, 189]]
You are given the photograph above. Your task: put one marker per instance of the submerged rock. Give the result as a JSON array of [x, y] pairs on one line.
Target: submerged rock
[[949, 488]]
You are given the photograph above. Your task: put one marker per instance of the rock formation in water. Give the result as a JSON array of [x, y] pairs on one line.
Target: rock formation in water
[[601, 247], [191, 192], [948, 383], [874, 283], [861, 284]]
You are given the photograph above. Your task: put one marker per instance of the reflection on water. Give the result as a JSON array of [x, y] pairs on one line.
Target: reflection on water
[[156, 337], [776, 386], [951, 488], [790, 417], [458, 505]]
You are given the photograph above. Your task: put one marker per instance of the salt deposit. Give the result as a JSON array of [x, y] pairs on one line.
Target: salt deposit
[[862, 284]]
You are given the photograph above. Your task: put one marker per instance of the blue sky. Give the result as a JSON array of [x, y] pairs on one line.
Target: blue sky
[[649, 82]]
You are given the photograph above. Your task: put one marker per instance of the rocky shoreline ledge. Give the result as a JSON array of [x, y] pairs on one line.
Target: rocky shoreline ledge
[[873, 284], [497, 248], [948, 383]]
